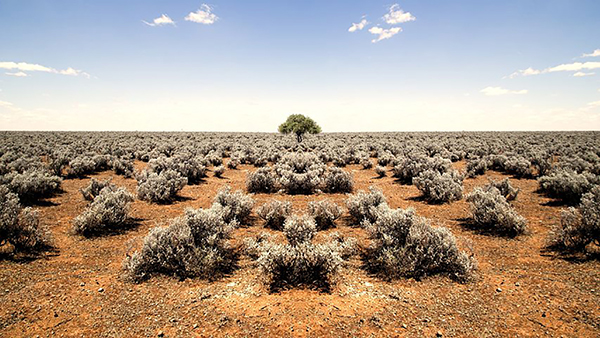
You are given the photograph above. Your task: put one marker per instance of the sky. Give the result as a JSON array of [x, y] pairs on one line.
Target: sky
[[352, 66]]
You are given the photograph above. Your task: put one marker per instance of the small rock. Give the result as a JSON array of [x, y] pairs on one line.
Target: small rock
[[517, 284], [498, 290], [404, 326], [161, 334], [438, 334], [195, 326], [101, 290], [368, 284], [82, 284]]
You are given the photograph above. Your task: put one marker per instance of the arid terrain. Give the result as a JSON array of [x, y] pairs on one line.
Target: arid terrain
[[520, 289]]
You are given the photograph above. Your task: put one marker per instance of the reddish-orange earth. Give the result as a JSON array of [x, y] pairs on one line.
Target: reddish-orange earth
[[79, 290]]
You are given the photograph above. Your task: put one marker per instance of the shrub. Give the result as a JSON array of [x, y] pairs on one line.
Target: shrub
[[360, 204], [187, 167], [261, 180], [233, 163], [476, 167], [123, 166], [324, 213], [218, 171], [94, 187], [32, 185], [338, 180], [194, 245], [81, 166], [579, 226], [565, 184], [440, 188], [274, 213], [505, 188], [407, 168], [300, 183], [21, 227], [492, 212], [405, 245], [366, 163], [159, 188], [108, 211], [299, 229], [237, 205], [380, 171], [518, 166]]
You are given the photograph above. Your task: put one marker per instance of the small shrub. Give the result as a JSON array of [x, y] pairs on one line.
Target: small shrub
[[233, 163], [299, 229], [159, 188], [218, 171], [123, 167], [492, 212], [505, 188], [579, 226], [238, 205], [405, 245], [440, 188], [360, 204], [94, 187], [194, 245], [565, 184], [324, 213], [366, 163], [338, 181], [477, 167], [274, 213], [261, 180], [32, 185], [108, 211], [301, 183], [380, 171]]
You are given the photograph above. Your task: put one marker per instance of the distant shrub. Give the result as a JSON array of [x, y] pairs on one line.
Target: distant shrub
[[81, 166], [107, 212], [440, 188], [492, 212], [385, 159], [21, 227], [407, 168], [32, 185], [380, 171], [194, 245], [233, 163], [237, 205], [300, 183], [565, 184], [579, 226], [299, 229], [366, 163], [506, 189], [324, 213], [360, 205], [338, 181], [159, 188], [261, 180], [123, 167], [274, 213], [476, 167], [94, 187], [405, 245], [518, 166], [339, 162], [218, 171], [188, 167]]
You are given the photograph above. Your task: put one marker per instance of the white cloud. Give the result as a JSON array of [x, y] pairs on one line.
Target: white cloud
[[592, 54], [566, 67], [594, 104], [582, 74], [17, 74], [397, 15], [525, 72], [160, 21], [23, 67], [358, 26], [5, 104], [203, 15], [496, 91], [384, 33]]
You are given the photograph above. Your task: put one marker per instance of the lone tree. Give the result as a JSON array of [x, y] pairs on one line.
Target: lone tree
[[299, 125]]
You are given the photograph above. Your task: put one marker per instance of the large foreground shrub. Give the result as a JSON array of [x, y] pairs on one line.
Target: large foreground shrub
[[107, 212], [566, 185], [32, 185], [440, 188], [491, 212]]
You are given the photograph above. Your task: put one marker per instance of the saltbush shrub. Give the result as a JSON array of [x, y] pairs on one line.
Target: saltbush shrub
[[492, 212], [409, 167], [218, 171], [32, 185], [107, 212], [360, 205], [506, 189], [565, 184], [338, 181], [94, 187], [380, 171], [324, 213], [159, 188], [440, 188], [237, 205], [261, 180], [274, 213]]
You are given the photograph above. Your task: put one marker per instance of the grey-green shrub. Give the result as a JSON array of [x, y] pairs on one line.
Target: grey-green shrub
[[218, 171], [440, 188], [491, 211], [338, 181], [32, 185], [94, 187], [159, 188], [324, 213], [506, 189], [237, 205], [360, 204], [565, 184], [380, 171], [261, 180], [108, 211], [274, 213]]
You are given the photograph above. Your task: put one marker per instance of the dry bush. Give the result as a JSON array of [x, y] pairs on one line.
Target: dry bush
[[107, 212], [405, 245], [506, 189], [218, 171], [194, 245], [491, 212], [565, 184], [380, 171], [360, 204], [237, 205], [440, 188], [32, 184], [338, 181], [324, 213], [274, 213], [94, 187], [261, 180], [159, 188]]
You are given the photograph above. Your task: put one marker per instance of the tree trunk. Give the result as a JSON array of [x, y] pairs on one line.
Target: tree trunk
[[299, 136]]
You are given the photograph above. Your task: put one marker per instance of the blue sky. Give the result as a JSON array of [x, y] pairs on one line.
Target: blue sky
[[246, 65]]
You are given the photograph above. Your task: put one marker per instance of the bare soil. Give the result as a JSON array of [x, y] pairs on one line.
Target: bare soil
[[79, 290]]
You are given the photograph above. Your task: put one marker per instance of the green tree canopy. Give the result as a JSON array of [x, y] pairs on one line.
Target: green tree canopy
[[299, 125]]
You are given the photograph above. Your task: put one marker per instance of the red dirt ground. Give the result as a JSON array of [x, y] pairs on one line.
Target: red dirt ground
[[520, 289]]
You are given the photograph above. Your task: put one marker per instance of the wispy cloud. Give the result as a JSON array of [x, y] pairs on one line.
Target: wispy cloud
[[578, 67], [497, 91], [396, 15], [204, 15], [384, 33], [582, 74], [358, 26], [23, 67], [592, 54], [160, 21]]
